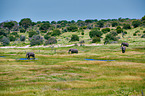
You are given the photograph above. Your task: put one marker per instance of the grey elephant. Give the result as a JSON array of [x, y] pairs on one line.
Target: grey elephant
[[124, 44], [123, 49], [73, 51], [30, 54]]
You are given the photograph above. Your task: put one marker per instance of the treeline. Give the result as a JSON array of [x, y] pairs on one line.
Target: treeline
[[45, 32]]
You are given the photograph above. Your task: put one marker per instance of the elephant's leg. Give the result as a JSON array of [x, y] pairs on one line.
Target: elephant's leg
[[28, 56], [34, 56]]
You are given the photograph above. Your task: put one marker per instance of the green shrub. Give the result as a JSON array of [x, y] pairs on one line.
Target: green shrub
[[110, 37], [137, 31], [119, 29], [136, 23], [15, 34], [22, 38], [82, 33], [72, 28], [56, 32], [114, 33], [143, 31], [74, 38], [94, 32], [22, 30], [36, 40], [114, 24], [31, 33], [51, 40], [143, 36], [96, 39], [105, 30], [134, 34], [5, 41], [126, 26], [4, 32], [46, 36], [12, 38]]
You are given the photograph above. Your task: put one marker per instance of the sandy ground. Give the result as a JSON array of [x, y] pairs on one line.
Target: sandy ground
[[56, 46]]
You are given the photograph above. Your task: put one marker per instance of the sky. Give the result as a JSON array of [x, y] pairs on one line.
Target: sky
[[56, 10]]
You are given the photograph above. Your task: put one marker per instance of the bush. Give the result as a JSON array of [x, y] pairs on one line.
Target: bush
[[126, 26], [114, 24], [3, 32], [105, 30], [22, 38], [22, 30], [36, 40], [31, 33], [12, 38], [125, 32], [82, 33], [15, 34], [143, 36], [56, 32], [72, 28], [94, 32], [51, 40], [114, 33], [136, 23], [44, 26], [110, 37], [119, 30], [96, 39], [5, 41], [143, 31], [46, 36], [134, 34], [74, 38]]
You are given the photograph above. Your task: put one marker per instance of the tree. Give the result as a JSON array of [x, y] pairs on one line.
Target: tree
[[143, 18], [72, 28], [53, 22], [3, 32], [44, 26], [95, 32], [119, 29], [51, 40], [31, 33], [110, 37], [26, 22], [96, 39], [136, 23], [12, 38], [74, 37], [56, 32], [105, 30], [126, 26], [9, 25], [22, 38], [5, 41], [114, 24], [36, 40], [100, 23]]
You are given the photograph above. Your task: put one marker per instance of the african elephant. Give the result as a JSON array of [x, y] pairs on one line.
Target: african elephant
[[73, 51], [123, 49], [30, 54], [124, 44]]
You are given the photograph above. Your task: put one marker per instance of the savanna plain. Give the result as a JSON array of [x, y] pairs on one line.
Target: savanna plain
[[57, 73]]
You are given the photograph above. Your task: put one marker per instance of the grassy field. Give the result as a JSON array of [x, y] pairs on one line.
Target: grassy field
[[62, 74]]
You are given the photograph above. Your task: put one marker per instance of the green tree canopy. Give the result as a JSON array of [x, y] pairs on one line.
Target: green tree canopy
[[136, 23], [45, 26], [9, 25], [26, 22], [95, 32]]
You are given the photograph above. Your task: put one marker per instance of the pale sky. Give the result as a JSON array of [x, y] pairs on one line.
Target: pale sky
[[55, 10]]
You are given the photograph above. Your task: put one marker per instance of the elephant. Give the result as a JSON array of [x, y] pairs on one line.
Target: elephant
[[123, 49], [73, 51], [124, 44], [30, 54]]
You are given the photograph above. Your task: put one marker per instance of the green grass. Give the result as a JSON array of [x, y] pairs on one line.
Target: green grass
[[62, 74]]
